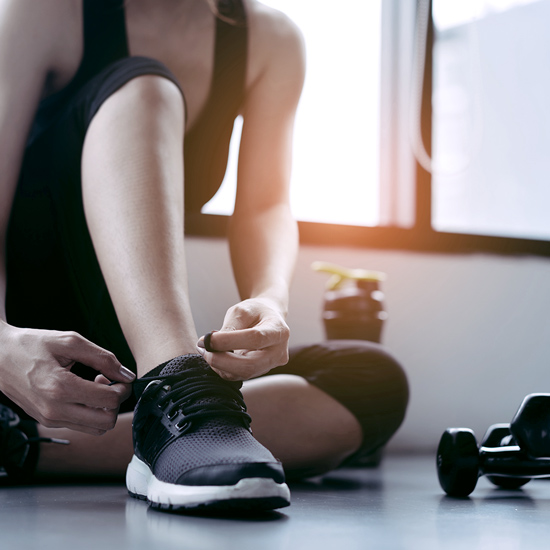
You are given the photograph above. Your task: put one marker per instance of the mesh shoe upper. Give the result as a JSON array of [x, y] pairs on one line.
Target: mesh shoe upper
[[191, 427]]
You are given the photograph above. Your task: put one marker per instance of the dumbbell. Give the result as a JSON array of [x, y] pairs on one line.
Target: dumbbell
[[499, 435], [510, 454]]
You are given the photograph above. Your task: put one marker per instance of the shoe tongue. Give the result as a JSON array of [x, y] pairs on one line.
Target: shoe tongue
[[185, 363], [197, 364], [178, 365], [182, 364]]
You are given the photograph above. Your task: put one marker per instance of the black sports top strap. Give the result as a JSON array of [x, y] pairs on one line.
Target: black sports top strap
[[105, 41], [207, 142], [105, 38], [230, 55]]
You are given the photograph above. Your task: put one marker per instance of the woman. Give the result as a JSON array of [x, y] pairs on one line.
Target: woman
[[98, 101]]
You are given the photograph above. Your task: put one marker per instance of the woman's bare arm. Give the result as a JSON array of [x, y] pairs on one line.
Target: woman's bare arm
[[263, 234], [26, 52], [35, 364]]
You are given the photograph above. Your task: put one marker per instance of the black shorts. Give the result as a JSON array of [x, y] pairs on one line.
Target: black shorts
[[55, 281], [362, 376]]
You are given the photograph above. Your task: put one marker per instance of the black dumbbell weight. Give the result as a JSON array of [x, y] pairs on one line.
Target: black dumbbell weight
[[509, 456], [458, 461], [531, 425], [499, 435]]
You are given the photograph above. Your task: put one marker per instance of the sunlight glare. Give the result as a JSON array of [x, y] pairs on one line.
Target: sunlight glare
[[335, 177]]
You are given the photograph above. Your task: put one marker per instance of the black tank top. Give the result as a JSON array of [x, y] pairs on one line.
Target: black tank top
[[207, 143]]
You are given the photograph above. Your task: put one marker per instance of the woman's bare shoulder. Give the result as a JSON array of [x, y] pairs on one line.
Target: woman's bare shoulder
[[45, 14], [275, 41], [270, 26], [51, 28]]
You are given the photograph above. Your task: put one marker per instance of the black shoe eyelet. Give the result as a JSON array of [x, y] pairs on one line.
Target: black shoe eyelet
[[180, 427], [172, 415]]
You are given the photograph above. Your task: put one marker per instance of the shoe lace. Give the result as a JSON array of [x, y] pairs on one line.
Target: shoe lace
[[198, 394]]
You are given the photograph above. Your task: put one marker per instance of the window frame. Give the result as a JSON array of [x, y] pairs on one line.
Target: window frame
[[420, 236]]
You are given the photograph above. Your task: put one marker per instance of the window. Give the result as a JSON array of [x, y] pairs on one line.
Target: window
[[470, 77], [336, 172], [491, 118]]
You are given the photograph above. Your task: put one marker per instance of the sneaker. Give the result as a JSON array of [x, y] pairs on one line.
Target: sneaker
[[19, 447], [193, 447]]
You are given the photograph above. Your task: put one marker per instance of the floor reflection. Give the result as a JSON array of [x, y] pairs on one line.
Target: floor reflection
[[219, 532]]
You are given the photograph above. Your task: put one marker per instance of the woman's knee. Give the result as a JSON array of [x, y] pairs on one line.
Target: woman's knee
[[387, 378], [364, 377], [364, 361], [382, 366]]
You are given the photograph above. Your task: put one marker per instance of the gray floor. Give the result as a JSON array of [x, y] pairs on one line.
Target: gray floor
[[399, 506]]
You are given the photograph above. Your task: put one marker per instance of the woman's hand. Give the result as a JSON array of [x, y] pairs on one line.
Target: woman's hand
[[252, 341], [35, 373]]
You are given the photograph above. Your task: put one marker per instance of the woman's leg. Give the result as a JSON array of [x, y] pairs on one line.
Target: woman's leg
[[303, 426], [87, 456], [132, 186], [307, 429], [333, 399], [132, 183], [362, 378]]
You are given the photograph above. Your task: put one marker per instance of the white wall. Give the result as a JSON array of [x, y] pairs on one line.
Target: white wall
[[472, 331]]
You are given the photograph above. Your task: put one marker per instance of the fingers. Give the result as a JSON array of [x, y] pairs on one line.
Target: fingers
[[100, 379], [207, 342], [72, 402], [56, 406], [83, 419], [41, 382], [96, 394], [256, 338], [72, 347], [253, 340], [244, 365], [239, 366]]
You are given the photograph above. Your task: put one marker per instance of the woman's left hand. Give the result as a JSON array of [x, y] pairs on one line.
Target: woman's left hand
[[252, 341]]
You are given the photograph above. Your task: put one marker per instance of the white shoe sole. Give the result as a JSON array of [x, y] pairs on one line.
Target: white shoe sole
[[249, 493]]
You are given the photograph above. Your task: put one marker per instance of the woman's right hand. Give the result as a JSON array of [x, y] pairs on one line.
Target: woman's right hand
[[35, 373]]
